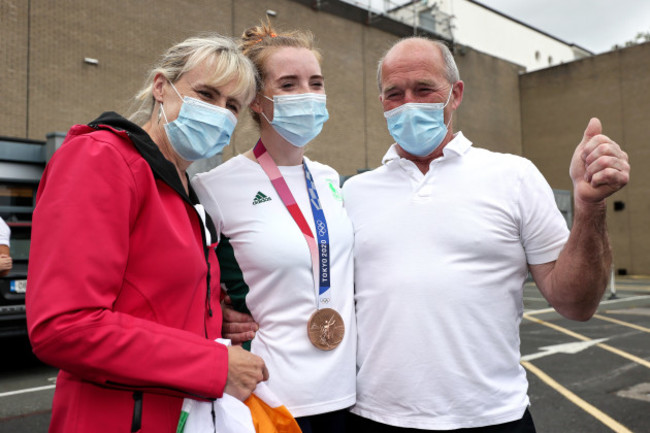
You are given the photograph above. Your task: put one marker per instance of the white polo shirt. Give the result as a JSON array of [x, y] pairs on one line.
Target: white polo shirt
[[5, 233], [440, 263]]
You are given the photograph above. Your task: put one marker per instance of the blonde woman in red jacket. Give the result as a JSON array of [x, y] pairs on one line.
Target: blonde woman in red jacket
[[123, 280]]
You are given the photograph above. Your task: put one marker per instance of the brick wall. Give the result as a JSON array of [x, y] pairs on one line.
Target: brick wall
[[46, 86]]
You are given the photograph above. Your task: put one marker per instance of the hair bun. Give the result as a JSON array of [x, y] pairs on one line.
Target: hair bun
[[256, 34]]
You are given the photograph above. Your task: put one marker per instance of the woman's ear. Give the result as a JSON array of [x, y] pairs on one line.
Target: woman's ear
[[256, 104], [157, 89]]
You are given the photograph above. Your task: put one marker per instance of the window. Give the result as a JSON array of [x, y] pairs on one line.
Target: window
[[17, 201]]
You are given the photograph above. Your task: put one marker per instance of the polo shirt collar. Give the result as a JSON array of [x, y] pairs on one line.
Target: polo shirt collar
[[456, 147]]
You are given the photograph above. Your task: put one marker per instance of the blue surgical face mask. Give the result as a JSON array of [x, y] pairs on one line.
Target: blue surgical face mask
[[201, 130], [298, 118], [417, 127]]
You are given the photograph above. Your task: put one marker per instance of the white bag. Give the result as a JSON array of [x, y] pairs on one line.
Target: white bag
[[230, 414]]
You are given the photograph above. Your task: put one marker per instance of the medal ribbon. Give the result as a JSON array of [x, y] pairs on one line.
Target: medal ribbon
[[319, 251]]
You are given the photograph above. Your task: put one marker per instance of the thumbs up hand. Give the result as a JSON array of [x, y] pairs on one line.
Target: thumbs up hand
[[599, 167]]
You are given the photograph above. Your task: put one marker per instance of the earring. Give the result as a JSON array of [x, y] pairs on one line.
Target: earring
[[159, 112]]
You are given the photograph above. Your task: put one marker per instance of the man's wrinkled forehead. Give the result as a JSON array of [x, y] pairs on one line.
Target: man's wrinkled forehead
[[412, 69], [389, 85]]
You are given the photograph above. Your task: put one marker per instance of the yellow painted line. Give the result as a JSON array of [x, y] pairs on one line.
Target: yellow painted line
[[631, 287], [557, 328], [629, 356], [607, 347], [635, 277], [542, 311], [620, 322], [590, 409]]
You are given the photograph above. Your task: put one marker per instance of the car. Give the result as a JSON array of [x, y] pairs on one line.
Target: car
[[13, 286]]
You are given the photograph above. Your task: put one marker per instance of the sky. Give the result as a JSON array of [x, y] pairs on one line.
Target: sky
[[596, 25]]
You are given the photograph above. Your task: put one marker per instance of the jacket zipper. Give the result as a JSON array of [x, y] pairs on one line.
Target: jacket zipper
[[136, 423], [208, 292], [209, 288], [187, 199]]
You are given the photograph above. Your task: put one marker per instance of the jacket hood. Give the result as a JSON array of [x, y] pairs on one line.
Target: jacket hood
[[161, 167]]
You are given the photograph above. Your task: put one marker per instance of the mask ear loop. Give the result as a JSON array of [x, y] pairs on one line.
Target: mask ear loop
[[161, 112], [262, 112], [449, 97], [179, 95], [446, 103]]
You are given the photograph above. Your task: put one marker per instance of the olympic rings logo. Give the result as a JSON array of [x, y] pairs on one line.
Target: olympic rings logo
[[321, 228]]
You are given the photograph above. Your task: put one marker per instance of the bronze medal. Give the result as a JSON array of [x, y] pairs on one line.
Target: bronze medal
[[325, 329]]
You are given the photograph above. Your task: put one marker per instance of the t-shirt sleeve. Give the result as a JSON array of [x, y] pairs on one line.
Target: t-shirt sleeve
[[544, 230]]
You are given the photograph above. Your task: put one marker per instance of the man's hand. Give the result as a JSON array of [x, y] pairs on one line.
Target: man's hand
[[245, 371], [599, 167], [6, 262], [576, 281], [238, 327]]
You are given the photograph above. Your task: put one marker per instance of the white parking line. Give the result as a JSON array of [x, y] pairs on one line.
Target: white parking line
[[26, 390], [570, 348]]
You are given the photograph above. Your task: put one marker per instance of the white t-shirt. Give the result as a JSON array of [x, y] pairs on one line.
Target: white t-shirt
[[440, 263], [5, 233], [265, 260]]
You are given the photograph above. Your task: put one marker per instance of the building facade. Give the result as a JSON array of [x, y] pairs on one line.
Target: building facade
[[470, 23], [66, 61]]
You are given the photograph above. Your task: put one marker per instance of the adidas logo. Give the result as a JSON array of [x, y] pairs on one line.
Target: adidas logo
[[260, 198]]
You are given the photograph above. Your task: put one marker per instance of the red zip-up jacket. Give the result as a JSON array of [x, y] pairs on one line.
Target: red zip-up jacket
[[122, 292]]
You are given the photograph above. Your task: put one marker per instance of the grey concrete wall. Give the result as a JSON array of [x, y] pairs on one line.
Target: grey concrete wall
[[490, 112]]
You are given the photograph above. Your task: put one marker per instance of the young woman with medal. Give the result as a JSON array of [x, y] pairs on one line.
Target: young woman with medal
[[285, 244]]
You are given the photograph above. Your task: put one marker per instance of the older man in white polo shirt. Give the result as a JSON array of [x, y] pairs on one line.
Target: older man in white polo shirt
[[445, 234]]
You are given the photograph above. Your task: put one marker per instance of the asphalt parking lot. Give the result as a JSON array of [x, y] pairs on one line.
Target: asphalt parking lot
[[590, 376], [585, 377]]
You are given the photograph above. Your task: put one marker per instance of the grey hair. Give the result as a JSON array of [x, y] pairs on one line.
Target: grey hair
[[451, 70], [227, 64]]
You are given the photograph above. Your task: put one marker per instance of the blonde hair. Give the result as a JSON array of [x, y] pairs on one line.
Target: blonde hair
[[227, 64], [259, 42]]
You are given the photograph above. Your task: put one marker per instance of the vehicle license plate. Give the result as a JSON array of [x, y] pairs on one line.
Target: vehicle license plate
[[18, 286]]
